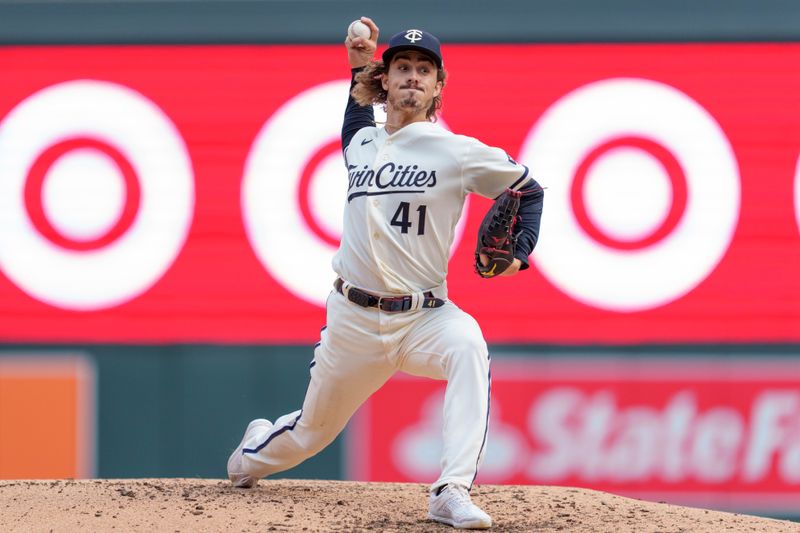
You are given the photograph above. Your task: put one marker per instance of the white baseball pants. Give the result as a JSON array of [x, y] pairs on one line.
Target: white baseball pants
[[358, 352]]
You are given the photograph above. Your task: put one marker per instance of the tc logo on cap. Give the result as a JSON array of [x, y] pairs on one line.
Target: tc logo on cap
[[414, 39], [414, 36]]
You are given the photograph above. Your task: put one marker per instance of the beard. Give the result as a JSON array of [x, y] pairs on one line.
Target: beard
[[407, 102]]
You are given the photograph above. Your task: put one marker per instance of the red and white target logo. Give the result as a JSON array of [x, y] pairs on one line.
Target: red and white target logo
[[295, 187], [643, 193], [96, 194]]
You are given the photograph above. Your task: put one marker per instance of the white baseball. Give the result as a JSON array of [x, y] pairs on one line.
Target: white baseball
[[358, 29]]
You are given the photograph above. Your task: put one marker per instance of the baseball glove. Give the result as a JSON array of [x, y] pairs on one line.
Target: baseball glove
[[496, 237]]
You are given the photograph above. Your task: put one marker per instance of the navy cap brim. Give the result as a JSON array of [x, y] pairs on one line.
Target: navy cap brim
[[389, 53]]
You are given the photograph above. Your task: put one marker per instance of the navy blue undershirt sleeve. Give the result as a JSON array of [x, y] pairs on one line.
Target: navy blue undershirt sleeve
[[355, 116], [530, 213]]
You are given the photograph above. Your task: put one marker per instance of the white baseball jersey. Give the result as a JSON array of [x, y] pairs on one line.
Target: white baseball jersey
[[405, 195]]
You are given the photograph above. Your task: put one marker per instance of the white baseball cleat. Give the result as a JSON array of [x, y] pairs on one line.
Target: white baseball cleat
[[454, 507], [236, 472]]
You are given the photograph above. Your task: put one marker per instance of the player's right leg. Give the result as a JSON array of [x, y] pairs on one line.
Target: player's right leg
[[349, 365]]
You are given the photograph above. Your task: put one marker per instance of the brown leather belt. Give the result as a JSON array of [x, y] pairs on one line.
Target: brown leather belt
[[390, 304]]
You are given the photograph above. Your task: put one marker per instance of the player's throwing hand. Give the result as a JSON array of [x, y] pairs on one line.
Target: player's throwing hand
[[360, 51]]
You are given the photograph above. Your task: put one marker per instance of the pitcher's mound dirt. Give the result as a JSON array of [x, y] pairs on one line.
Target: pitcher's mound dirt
[[324, 506]]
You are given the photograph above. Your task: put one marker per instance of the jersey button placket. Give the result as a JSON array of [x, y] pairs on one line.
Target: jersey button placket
[[373, 213], [376, 204], [377, 218]]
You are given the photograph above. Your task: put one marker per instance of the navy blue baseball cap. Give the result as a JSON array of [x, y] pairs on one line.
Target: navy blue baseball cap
[[412, 39]]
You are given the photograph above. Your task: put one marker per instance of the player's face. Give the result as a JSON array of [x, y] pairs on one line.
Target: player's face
[[410, 83]]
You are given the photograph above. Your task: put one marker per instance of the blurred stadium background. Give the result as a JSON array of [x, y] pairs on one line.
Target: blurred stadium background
[[170, 190]]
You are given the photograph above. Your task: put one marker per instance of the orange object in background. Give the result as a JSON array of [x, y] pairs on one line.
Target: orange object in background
[[47, 413]]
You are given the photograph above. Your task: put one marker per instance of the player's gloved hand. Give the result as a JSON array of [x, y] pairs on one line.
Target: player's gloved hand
[[514, 268], [360, 51], [497, 240]]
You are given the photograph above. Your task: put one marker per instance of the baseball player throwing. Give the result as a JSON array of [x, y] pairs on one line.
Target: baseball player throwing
[[389, 309]]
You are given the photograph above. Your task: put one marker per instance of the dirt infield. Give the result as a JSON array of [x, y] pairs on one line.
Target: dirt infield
[[324, 506]]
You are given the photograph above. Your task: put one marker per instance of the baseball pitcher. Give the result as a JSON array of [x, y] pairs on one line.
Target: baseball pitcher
[[389, 309]]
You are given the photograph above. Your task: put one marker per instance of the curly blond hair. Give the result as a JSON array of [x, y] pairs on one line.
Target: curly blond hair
[[368, 89]]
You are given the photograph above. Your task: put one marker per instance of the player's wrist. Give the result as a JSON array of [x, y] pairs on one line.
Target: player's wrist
[[513, 268], [523, 260]]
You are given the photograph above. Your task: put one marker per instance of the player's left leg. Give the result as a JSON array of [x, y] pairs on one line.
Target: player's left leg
[[447, 343]]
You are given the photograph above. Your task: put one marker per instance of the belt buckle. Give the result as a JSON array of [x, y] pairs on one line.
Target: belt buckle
[[381, 303], [395, 304]]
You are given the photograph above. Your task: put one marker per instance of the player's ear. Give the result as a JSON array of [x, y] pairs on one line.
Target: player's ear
[[385, 81], [437, 90]]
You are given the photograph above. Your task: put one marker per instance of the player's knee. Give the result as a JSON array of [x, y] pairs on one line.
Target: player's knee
[[471, 345], [469, 339], [469, 350]]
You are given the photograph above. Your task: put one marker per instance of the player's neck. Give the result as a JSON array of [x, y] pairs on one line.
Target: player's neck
[[397, 120]]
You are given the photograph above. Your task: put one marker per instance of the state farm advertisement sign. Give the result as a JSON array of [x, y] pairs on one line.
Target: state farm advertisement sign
[[194, 193], [720, 432]]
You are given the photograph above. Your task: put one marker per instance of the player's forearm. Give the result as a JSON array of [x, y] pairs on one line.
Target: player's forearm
[[355, 116], [530, 213]]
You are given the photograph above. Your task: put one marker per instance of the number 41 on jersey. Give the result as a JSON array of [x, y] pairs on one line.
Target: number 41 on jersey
[[401, 218]]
